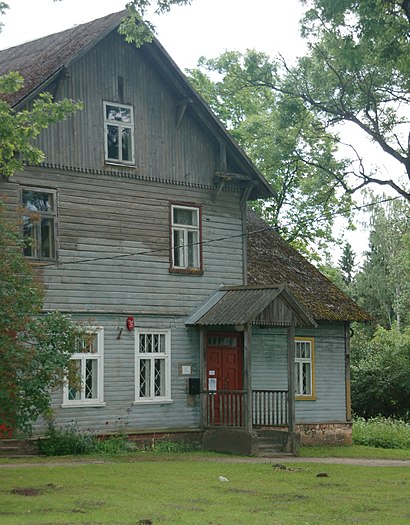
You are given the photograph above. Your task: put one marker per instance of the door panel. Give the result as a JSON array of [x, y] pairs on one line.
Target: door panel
[[224, 372]]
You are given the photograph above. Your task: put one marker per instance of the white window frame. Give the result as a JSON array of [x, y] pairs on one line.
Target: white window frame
[[82, 357], [300, 363], [166, 356], [184, 249], [36, 240], [120, 126]]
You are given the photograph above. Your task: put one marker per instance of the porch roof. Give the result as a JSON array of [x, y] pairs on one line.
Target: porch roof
[[260, 305]]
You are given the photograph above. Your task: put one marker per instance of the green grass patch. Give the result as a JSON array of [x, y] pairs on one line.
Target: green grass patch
[[382, 432], [355, 451], [190, 492]]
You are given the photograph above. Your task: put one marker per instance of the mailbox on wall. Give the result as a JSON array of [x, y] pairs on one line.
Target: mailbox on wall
[[194, 386]]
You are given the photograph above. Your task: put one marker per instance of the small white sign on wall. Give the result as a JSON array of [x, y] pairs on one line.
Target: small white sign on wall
[[212, 384], [186, 370], [211, 372]]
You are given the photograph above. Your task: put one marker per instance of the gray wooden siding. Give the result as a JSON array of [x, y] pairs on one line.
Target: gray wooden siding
[[102, 217], [162, 150], [269, 369], [119, 412]]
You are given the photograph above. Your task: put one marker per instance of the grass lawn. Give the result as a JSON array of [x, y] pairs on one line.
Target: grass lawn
[[168, 489], [355, 451]]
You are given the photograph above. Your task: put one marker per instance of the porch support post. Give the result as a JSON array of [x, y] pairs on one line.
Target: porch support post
[[202, 375], [291, 378], [247, 376]]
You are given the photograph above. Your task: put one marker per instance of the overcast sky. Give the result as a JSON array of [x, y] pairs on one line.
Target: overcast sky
[[207, 27]]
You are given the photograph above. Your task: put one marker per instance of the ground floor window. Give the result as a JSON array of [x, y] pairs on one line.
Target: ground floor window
[[304, 368], [153, 365], [85, 381]]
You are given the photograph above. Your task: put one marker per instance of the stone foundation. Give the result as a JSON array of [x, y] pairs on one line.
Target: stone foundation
[[325, 433]]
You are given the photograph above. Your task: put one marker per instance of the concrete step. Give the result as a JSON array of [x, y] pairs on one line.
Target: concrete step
[[18, 447]]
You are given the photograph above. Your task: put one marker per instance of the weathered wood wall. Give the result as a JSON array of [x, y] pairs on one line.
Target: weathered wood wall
[[269, 367]]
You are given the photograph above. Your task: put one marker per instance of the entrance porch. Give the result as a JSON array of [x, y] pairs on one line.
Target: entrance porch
[[235, 416]]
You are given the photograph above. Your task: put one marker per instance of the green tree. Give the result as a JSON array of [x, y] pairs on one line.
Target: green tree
[[383, 286], [35, 347], [357, 72], [283, 139], [347, 264], [380, 375]]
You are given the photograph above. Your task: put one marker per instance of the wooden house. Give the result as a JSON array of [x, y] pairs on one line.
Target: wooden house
[[141, 232]]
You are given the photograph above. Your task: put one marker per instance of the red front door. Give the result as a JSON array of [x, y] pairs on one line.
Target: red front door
[[224, 362]]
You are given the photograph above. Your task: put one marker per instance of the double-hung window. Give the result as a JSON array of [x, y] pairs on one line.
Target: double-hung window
[[85, 382], [119, 133], [186, 238], [304, 368], [39, 223], [153, 366]]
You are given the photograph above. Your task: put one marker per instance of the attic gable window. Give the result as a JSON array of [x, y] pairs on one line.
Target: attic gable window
[[185, 238], [119, 133], [39, 223]]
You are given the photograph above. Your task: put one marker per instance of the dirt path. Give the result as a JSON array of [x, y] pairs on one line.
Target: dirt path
[[234, 459]]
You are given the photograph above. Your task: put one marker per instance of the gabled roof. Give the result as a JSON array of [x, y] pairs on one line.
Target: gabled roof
[[272, 260], [261, 305], [42, 60]]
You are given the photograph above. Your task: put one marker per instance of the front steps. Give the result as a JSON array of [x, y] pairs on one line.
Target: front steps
[[277, 442], [11, 448]]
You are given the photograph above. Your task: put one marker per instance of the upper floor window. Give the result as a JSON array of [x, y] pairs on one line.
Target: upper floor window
[[119, 133], [304, 368], [186, 237], [84, 385], [39, 223]]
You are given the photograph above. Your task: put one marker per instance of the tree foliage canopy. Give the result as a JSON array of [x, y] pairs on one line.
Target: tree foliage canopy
[[285, 141], [35, 348]]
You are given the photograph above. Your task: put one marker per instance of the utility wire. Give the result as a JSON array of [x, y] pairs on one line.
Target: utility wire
[[219, 239]]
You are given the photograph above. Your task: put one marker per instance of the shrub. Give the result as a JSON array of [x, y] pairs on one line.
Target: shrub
[[63, 441], [381, 432]]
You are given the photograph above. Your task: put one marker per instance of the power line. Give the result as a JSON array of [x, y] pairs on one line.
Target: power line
[[219, 239]]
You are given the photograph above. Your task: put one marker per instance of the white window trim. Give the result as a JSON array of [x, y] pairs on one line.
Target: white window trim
[[167, 355], [311, 361], [119, 125], [99, 401], [48, 215], [185, 228]]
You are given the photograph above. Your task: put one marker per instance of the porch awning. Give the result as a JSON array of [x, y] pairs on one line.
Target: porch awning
[[259, 305]]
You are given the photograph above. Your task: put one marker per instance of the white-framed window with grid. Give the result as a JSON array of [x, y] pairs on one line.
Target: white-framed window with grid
[[152, 366], [186, 238], [304, 368], [119, 133], [84, 385]]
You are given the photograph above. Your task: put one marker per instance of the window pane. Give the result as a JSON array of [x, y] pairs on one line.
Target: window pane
[[28, 235], [112, 142], [185, 216], [38, 201], [159, 378], [307, 387], [90, 379], [47, 237], [178, 248], [74, 387], [126, 144], [145, 377], [297, 379], [193, 249]]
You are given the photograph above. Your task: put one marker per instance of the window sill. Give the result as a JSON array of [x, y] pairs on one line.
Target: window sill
[[120, 163], [187, 271], [305, 398], [84, 404], [153, 402]]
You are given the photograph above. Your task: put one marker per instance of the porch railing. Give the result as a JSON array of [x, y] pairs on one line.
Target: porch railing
[[228, 408], [269, 407], [225, 408]]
